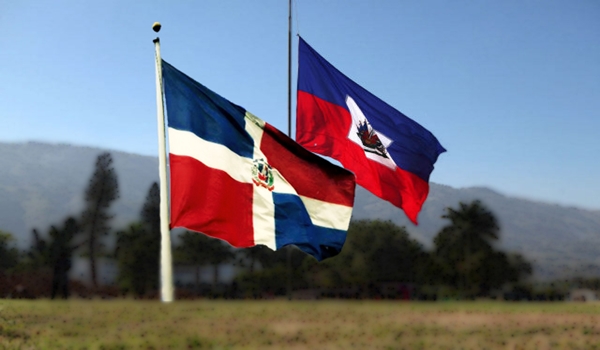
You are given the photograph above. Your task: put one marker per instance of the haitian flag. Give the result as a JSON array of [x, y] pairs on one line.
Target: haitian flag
[[391, 155], [237, 178]]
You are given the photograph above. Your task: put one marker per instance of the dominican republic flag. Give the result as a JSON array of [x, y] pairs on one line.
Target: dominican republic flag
[[237, 178], [391, 155]]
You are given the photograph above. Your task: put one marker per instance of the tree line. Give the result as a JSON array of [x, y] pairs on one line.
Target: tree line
[[379, 259]]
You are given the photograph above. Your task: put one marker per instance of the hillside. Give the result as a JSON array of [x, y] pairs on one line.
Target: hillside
[[40, 184]]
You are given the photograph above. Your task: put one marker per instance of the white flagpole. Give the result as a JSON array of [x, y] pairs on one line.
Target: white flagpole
[[166, 261]]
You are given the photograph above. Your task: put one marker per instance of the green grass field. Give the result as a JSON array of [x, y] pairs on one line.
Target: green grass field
[[280, 324]]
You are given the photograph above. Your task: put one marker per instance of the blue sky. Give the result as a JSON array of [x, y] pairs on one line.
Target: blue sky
[[510, 88]]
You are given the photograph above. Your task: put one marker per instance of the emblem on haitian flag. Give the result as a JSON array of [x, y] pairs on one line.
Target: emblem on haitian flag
[[369, 139], [374, 143], [262, 174]]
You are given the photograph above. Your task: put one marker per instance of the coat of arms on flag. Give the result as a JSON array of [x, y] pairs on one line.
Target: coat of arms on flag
[[262, 175], [373, 142]]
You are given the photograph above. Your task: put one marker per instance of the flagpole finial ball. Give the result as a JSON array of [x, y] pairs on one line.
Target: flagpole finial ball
[[156, 27]]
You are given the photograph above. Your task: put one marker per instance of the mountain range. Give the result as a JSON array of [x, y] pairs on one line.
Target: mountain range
[[41, 184]]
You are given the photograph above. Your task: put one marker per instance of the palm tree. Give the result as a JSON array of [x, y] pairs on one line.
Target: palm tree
[[465, 243]]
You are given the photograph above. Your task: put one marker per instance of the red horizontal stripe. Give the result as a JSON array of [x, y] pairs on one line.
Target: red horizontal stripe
[[310, 175], [208, 200], [322, 127]]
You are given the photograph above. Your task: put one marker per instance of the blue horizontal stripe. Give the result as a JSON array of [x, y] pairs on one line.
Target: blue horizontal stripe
[[293, 226], [193, 107], [414, 149]]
